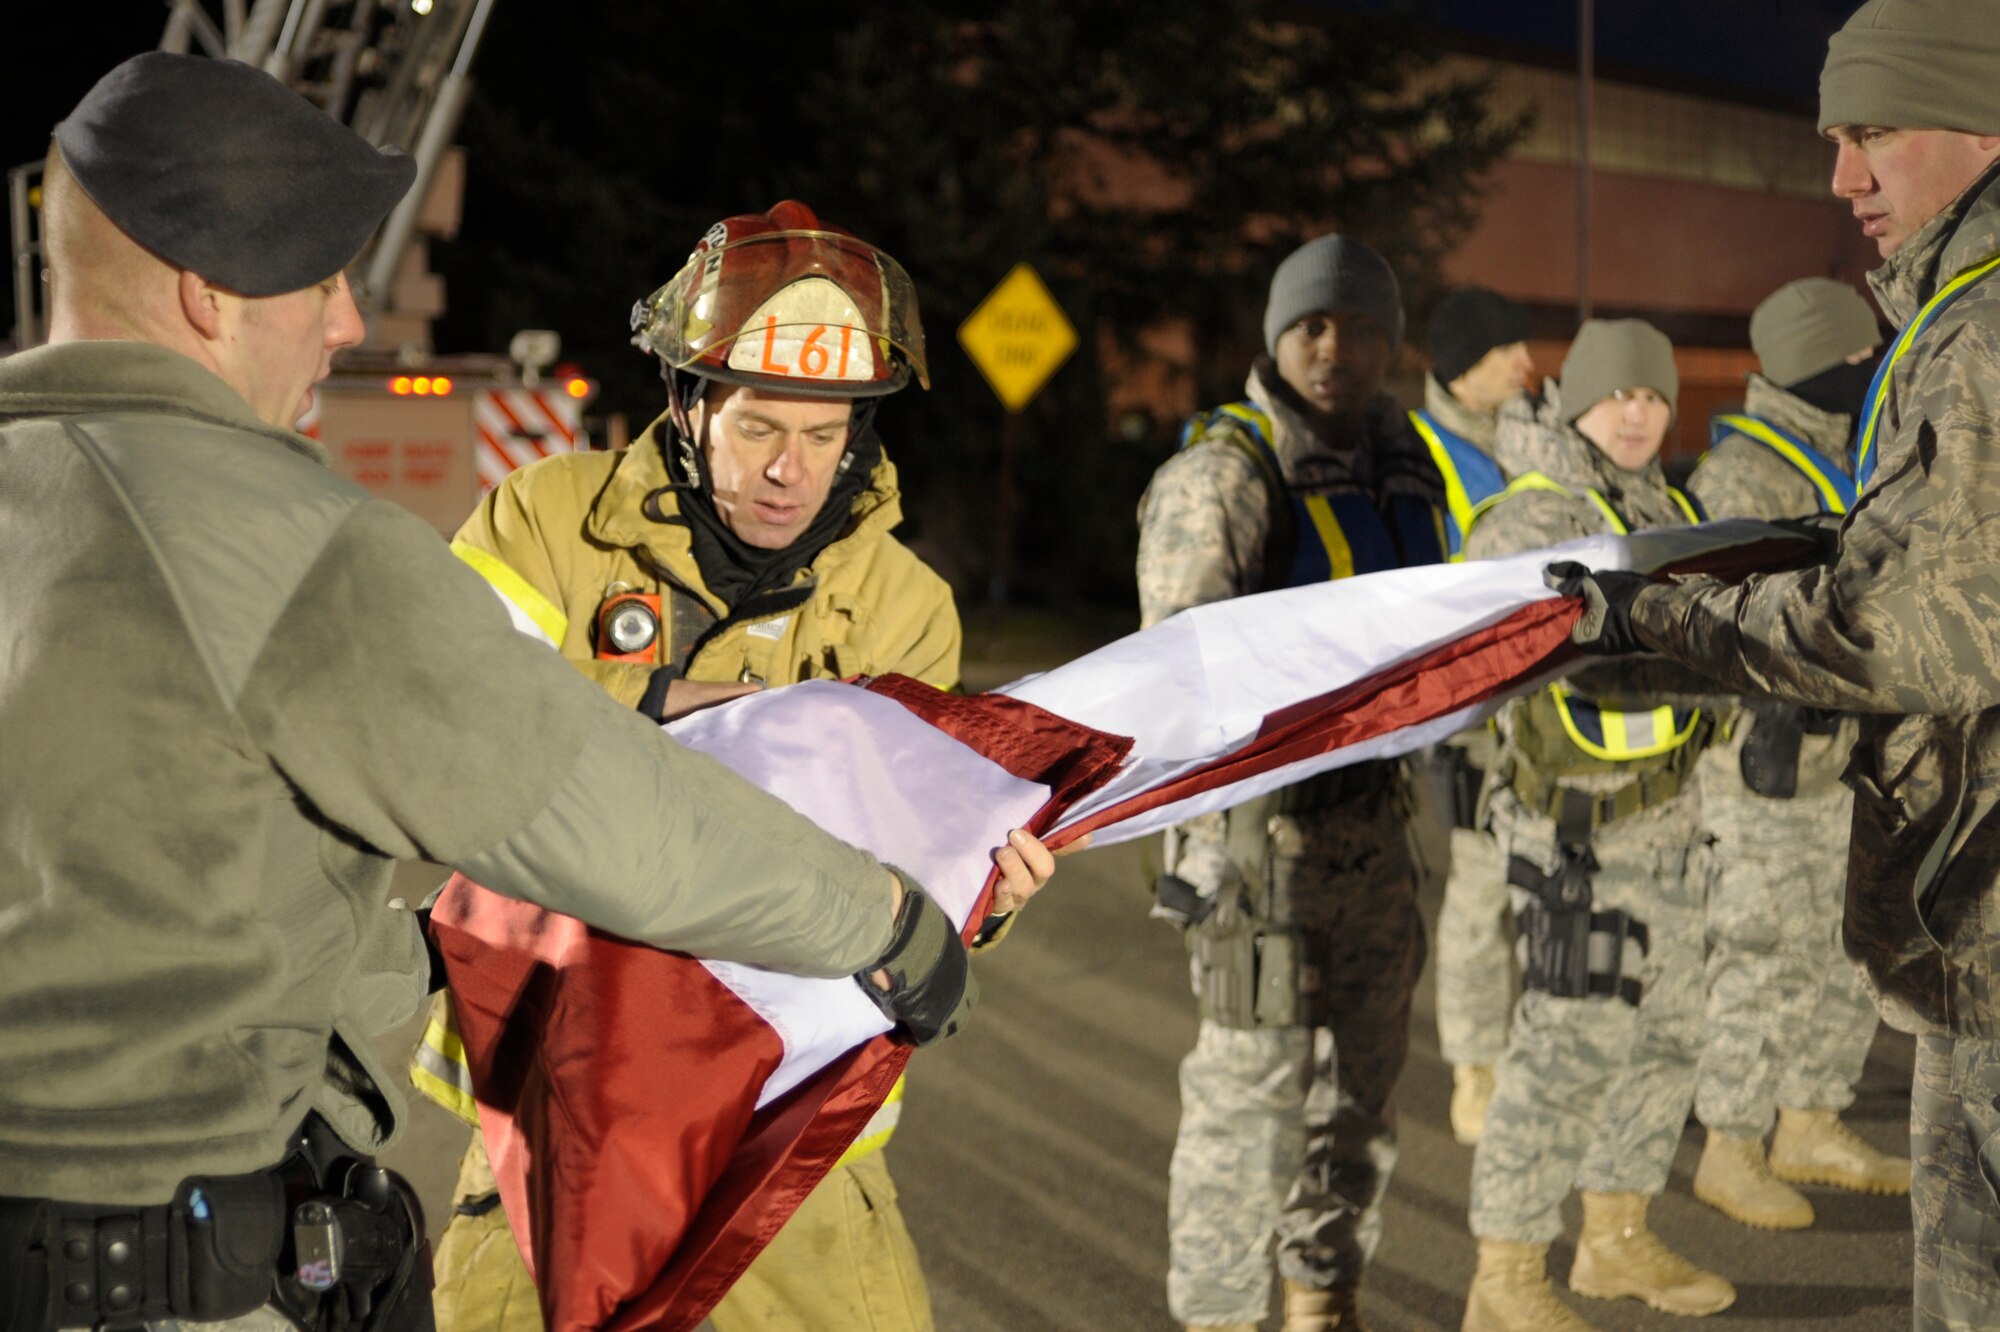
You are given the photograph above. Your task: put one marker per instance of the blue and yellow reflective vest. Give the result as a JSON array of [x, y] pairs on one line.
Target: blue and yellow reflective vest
[[1471, 477], [1602, 736], [1351, 533], [1835, 489]]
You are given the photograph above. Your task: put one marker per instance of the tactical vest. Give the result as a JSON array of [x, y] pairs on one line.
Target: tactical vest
[[1865, 455], [1834, 488], [1471, 477], [1559, 734], [1322, 534]]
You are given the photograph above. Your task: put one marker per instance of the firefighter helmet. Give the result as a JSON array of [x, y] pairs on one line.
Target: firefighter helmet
[[780, 300]]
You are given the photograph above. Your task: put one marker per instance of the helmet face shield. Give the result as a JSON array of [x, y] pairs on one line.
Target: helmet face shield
[[802, 311]]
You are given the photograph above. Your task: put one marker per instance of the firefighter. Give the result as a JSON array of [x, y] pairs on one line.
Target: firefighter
[[1479, 360], [233, 690], [1789, 1018], [743, 541], [1593, 805], [1299, 909]]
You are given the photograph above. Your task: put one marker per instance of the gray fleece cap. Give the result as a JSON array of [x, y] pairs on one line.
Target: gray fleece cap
[[1331, 274], [1808, 326], [1613, 354], [1915, 64], [220, 169]]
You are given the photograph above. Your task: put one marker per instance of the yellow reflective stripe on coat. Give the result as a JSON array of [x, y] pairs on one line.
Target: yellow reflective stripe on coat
[[1686, 506], [533, 614], [1339, 554], [1624, 736], [1455, 497], [1757, 430], [438, 1068], [880, 1127]]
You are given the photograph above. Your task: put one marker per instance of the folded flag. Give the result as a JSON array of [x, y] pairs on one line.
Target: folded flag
[[653, 1119]]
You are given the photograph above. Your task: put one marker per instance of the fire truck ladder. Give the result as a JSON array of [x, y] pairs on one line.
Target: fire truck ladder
[[394, 71]]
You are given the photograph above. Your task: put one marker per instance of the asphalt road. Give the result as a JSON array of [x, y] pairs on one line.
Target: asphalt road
[[1033, 1155]]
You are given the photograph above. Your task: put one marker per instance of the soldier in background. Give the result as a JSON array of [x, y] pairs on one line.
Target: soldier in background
[[1789, 1018], [1479, 360], [1300, 907], [1593, 804]]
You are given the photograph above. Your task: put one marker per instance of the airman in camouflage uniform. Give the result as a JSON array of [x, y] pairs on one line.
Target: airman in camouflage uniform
[[1903, 623], [1479, 360], [1300, 908], [1789, 1018], [1599, 1070]]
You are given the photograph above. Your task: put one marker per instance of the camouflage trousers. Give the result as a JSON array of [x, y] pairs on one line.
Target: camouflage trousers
[[1955, 1183], [1475, 964], [1593, 1092], [1789, 1016], [1285, 1131]]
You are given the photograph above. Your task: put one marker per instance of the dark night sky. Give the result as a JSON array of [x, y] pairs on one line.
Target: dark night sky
[[1759, 48]]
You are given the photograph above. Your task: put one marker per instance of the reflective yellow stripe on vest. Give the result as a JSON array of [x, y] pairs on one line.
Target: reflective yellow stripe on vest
[[1536, 481], [533, 614], [1626, 735], [1755, 429], [1864, 453], [1455, 497], [875, 1135], [1339, 554]]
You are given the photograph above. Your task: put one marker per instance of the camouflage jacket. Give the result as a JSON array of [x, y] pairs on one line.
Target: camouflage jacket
[[1904, 624], [1205, 519], [1741, 477], [1532, 439]]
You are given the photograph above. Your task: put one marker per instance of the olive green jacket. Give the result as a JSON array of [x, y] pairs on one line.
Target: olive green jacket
[[233, 688], [1904, 625]]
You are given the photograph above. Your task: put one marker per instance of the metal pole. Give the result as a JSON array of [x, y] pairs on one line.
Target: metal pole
[[439, 126], [27, 257], [1003, 528], [1586, 65]]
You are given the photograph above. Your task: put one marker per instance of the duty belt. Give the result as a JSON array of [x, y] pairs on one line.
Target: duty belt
[[215, 1251], [1579, 813]]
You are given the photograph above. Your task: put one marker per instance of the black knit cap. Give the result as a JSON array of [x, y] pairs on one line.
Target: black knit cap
[[218, 168], [1469, 323]]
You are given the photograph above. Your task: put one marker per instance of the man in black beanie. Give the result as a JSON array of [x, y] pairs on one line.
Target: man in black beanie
[[1479, 360], [233, 691]]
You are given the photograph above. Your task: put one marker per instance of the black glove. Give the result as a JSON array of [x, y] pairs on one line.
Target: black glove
[[930, 986], [1608, 594], [1177, 900]]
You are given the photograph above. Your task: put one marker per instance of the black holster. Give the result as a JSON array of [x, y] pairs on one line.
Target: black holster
[[1573, 952], [1466, 781], [1770, 754]]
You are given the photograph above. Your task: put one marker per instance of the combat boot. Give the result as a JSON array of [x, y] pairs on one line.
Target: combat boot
[[1814, 1147], [1735, 1180], [1511, 1292], [1617, 1254], [1471, 1094], [1310, 1310]]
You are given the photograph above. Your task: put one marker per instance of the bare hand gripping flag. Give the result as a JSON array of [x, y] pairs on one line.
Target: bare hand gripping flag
[[653, 1119]]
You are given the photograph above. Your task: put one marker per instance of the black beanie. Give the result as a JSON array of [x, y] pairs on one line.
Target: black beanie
[[1469, 323]]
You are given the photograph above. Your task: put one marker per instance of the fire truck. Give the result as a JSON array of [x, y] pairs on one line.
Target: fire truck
[[431, 432]]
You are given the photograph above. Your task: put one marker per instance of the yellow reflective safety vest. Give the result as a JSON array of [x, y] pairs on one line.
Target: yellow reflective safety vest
[[1471, 476], [1565, 734], [1834, 487], [1350, 532]]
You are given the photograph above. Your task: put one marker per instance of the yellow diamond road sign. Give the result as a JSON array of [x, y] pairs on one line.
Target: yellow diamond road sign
[[1017, 337]]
